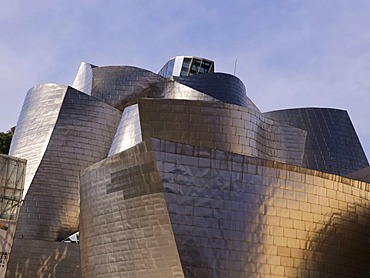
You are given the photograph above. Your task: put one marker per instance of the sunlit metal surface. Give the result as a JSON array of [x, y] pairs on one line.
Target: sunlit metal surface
[[229, 215], [81, 135], [128, 132], [221, 126], [116, 85], [35, 125], [198, 182], [84, 78]]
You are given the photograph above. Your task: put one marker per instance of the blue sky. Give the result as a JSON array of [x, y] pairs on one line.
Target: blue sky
[[290, 53]]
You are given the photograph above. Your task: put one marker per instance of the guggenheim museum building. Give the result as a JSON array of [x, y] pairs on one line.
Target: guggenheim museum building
[[129, 173]]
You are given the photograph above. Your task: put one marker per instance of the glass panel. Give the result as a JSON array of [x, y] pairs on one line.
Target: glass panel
[[185, 67], [167, 69]]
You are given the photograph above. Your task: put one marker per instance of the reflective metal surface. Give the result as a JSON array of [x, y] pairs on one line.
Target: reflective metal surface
[[332, 143], [35, 125], [128, 132], [221, 126], [117, 85], [81, 135], [230, 215], [84, 78], [198, 182], [224, 87]]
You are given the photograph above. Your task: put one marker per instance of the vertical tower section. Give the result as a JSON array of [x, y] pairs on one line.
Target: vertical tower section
[[80, 135]]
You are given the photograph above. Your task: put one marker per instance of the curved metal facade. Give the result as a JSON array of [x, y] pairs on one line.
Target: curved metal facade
[[35, 125], [116, 85], [186, 211], [221, 126], [189, 180], [77, 133], [84, 78], [332, 144], [224, 87]]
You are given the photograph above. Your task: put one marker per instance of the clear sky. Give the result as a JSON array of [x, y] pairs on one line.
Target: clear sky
[[312, 53]]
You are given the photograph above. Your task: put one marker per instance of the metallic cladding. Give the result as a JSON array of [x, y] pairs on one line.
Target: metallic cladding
[[221, 126], [84, 78], [229, 215], [81, 135], [198, 182], [124, 216], [128, 132], [117, 85], [35, 125], [224, 87], [332, 144]]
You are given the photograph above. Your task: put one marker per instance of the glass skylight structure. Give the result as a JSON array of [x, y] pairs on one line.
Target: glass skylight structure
[[186, 66]]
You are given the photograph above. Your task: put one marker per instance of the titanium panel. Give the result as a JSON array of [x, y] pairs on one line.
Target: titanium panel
[[39, 258], [230, 215], [175, 90], [125, 228], [224, 87], [84, 78], [221, 126], [362, 175], [128, 132], [332, 144], [238, 216], [81, 136], [117, 85], [35, 125]]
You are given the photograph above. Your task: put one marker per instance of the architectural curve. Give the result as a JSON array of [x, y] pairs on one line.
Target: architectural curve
[[332, 144], [116, 85], [197, 182], [77, 134], [222, 86], [84, 78], [226, 213], [35, 125]]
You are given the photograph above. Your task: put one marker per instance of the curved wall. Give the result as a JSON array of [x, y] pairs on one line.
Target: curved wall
[[221, 126], [224, 87], [220, 214], [35, 125], [115, 85], [84, 78], [128, 132], [81, 136], [332, 144], [125, 228]]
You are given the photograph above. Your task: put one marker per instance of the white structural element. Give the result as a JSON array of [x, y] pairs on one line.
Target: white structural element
[[187, 65]]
